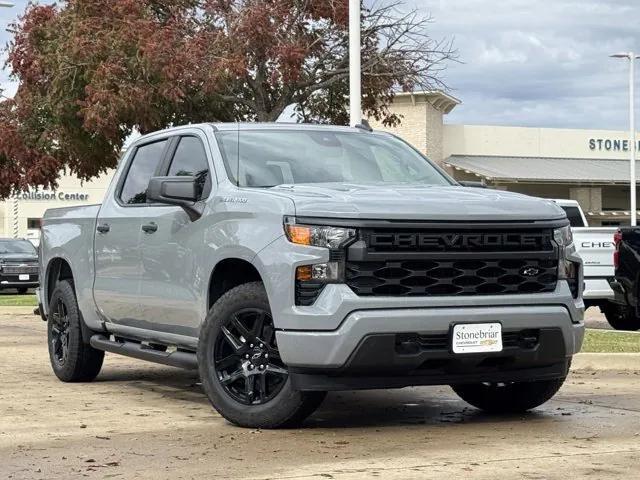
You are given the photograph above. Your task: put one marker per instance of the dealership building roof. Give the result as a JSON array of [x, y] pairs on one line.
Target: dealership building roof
[[542, 170]]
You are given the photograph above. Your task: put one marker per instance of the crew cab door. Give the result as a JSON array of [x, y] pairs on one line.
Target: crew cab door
[[173, 279], [118, 260]]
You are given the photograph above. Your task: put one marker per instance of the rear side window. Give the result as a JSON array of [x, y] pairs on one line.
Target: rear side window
[[142, 168], [573, 214], [190, 159]]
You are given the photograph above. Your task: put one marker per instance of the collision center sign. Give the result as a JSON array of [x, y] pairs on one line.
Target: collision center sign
[[51, 195]]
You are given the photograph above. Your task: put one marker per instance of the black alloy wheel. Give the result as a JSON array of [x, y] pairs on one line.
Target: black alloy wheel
[[60, 333], [242, 371], [246, 357]]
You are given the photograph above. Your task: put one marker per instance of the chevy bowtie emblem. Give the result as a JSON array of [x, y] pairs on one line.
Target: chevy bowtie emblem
[[530, 271]]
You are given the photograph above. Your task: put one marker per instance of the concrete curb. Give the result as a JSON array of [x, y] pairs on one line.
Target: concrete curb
[[606, 361]]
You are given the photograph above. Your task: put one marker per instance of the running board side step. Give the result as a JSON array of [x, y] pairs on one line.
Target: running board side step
[[178, 358]]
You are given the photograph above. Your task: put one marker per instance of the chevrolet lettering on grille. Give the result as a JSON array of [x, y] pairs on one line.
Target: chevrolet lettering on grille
[[458, 241]]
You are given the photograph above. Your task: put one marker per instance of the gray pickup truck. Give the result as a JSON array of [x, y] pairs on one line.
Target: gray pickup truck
[[285, 261]]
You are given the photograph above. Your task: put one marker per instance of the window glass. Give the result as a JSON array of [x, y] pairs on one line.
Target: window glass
[[190, 159], [268, 158], [573, 214], [34, 223], [16, 246], [142, 168]]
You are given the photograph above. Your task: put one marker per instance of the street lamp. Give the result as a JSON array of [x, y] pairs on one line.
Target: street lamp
[[6, 4], [355, 88], [631, 56]]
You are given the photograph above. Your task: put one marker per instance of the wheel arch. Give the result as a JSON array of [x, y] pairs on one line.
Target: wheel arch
[[229, 273], [58, 269]]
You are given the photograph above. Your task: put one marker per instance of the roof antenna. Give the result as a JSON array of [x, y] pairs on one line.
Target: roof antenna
[[364, 125]]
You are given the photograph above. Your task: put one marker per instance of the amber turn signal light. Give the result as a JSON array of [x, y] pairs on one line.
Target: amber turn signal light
[[299, 234], [303, 273]]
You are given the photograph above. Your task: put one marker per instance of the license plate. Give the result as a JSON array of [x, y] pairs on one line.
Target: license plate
[[22, 276], [477, 337]]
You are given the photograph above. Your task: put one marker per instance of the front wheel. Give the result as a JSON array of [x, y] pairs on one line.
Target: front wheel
[[240, 366], [621, 317], [515, 397]]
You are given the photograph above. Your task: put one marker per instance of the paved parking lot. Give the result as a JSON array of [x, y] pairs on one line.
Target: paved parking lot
[[140, 420]]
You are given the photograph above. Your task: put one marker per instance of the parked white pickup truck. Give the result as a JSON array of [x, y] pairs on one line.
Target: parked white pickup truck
[[595, 246]]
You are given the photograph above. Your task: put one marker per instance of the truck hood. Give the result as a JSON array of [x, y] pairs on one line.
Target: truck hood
[[411, 202], [18, 258]]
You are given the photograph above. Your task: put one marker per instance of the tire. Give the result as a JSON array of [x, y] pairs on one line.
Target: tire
[[246, 394], [515, 397], [72, 360], [621, 317], [22, 290]]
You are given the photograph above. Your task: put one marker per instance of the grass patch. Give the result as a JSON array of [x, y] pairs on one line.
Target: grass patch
[[601, 341], [18, 301]]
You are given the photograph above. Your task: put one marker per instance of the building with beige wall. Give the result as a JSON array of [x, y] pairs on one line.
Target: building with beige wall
[[590, 166], [20, 216]]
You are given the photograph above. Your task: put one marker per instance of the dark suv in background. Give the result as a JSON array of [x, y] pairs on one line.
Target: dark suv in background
[[18, 264]]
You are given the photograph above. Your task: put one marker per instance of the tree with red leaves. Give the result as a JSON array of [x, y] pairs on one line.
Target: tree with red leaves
[[91, 72]]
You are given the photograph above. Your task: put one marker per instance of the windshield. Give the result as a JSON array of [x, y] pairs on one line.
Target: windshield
[[16, 246], [275, 157]]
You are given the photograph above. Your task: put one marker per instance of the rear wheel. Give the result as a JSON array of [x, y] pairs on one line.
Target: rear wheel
[[72, 360], [22, 290], [621, 317], [513, 397], [240, 366]]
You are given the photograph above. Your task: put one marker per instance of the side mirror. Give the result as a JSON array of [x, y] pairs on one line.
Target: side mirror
[[181, 191], [466, 183]]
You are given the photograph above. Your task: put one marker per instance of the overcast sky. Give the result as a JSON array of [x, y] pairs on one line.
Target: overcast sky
[[525, 62]]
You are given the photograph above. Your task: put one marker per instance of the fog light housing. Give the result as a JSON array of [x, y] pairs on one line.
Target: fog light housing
[[311, 280], [320, 272]]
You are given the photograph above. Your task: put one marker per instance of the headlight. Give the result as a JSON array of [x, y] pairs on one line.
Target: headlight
[[318, 235], [563, 236]]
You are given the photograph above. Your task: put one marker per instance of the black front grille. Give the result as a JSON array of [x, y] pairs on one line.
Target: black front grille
[[17, 269], [441, 262], [452, 277]]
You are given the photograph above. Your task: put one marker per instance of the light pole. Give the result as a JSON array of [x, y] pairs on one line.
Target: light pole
[[355, 88], [631, 56]]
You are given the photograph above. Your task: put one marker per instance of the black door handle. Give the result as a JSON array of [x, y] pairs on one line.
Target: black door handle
[[103, 228], [150, 227]]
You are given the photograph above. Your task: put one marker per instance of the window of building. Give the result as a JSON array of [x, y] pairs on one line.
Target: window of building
[[142, 168], [34, 223], [190, 159], [610, 223]]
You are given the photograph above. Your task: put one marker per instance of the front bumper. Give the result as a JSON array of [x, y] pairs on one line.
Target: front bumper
[[365, 350], [385, 349], [13, 281], [333, 349], [388, 360]]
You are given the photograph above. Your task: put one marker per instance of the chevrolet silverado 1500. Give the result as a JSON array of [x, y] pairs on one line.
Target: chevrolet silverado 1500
[[284, 261]]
